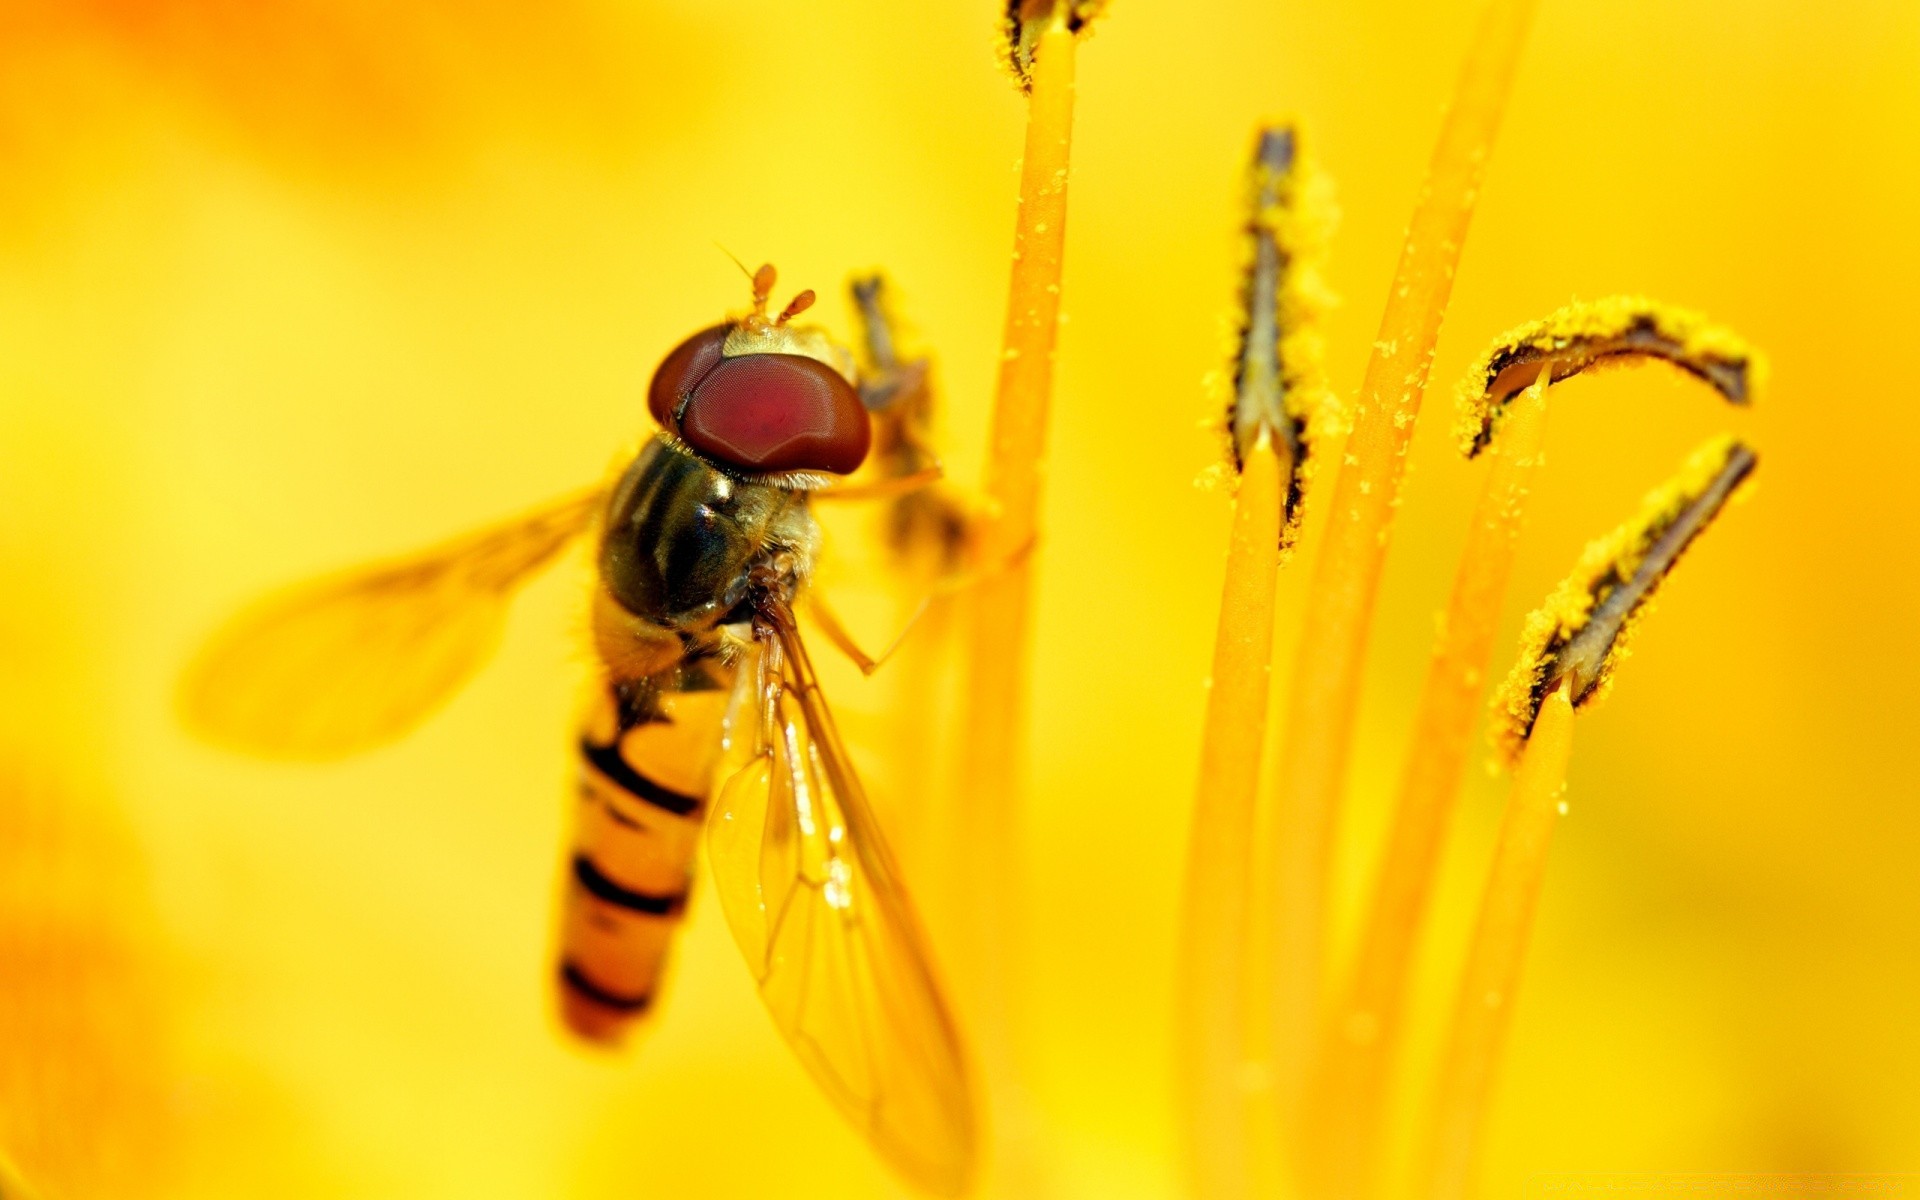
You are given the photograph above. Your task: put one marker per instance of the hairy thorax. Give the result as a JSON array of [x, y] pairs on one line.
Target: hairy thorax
[[685, 547]]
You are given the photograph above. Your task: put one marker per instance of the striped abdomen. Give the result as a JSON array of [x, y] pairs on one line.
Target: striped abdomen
[[647, 755]]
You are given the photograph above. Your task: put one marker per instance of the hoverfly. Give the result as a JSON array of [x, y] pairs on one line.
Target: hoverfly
[[708, 711]]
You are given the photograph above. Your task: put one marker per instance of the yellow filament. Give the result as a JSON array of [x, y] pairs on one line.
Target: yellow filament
[[994, 718], [1484, 1011], [1211, 1021], [1357, 1047], [1325, 687]]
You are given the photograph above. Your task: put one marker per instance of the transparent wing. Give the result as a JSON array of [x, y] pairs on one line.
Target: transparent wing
[[350, 662], [813, 896]]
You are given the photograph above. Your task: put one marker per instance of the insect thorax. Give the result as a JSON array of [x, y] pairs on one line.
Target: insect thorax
[[688, 550]]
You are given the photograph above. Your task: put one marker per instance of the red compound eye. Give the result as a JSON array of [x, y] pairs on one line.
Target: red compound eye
[[682, 370], [777, 412]]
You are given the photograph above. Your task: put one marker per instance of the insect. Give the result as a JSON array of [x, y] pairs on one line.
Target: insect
[[708, 711]]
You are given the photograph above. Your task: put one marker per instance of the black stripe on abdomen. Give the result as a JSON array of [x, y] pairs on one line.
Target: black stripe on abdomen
[[600, 887], [608, 761], [578, 980]]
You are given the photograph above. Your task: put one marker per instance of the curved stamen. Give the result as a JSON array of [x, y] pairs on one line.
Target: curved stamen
[[1586, 334], [1576, 636]]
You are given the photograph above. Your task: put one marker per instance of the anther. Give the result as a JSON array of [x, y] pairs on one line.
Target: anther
[[1602, 332], [1026, 20], [1278, 386], [1577, 636]]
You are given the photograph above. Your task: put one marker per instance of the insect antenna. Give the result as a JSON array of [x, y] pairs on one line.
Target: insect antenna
[[795, 307], [763, 281], [735, 260]]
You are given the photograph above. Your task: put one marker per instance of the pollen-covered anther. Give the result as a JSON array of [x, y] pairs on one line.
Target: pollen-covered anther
[[1026, 20], [1579, 634], [1279, 386], [1586, 334]]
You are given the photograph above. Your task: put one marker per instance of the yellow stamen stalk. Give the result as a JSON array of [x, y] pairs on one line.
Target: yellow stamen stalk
[[1041, 48], [1484, 1011], [1567, 654], [1362, 1033], [1326, 682], [1278, 394], [1356, 1051], [1211, 1020]]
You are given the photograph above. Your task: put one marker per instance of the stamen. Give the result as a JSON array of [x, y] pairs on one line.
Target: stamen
[[1323, 699], [1583, 335], [1277, 389], [1279, 385], [1576, 637], [1358, 1046], [1351, 1073], [1565, 655], [1449, 1145], [994, 711], [1026, 20]]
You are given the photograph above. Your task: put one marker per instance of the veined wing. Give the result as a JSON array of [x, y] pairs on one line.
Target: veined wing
[[814, 898], [350, 662]]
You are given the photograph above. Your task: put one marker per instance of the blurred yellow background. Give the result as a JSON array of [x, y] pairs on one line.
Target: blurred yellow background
[[289, 286]]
